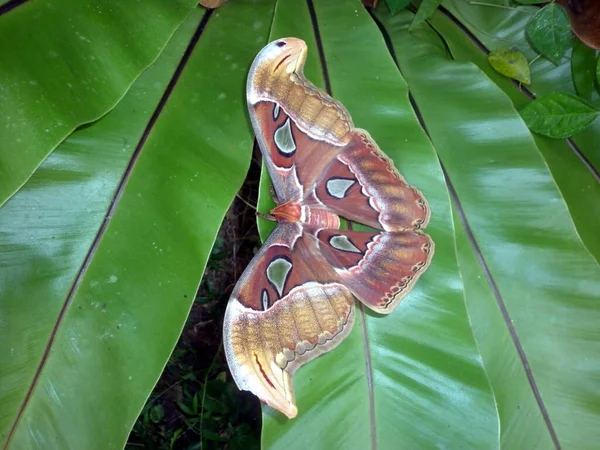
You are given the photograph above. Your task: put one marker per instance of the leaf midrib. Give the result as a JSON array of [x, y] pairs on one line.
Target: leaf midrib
[[476, 249], [365, 337], [107, 218]]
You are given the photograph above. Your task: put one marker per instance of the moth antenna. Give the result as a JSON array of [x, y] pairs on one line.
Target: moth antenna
[[266, 216], [273, 194], [246, 202]]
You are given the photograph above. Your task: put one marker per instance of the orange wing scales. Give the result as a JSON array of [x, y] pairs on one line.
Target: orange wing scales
[[268, 346]]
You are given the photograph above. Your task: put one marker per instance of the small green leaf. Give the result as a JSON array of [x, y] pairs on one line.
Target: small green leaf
[[214, 406], [424, 12], [156, 413], [558, 115], [510, 62], [583, 62], [395, 6], [222, 376], [212, 436], [530, 2], [549, 32], [185, 408], [195, 403], [174, 437]]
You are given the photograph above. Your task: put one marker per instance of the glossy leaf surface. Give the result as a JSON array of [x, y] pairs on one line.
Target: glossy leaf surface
[[549, 32], [583, 64], [507, 178], [494, 27], [577, 182], [390, 370], [70, 62], [110, 309]]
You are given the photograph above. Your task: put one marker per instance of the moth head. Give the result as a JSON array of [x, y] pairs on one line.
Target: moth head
[[276, 60], [283, 56]]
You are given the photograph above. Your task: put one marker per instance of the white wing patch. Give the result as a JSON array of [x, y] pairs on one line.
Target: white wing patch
[[277, 273], [338, 187], [341, 242], [284, 139]]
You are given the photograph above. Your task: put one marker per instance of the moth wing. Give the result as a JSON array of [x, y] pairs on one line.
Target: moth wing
[[361, 184], [288, 308], [379, 268], [294, 156]]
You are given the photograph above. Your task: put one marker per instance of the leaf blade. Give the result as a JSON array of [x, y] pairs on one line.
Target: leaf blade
[[507, 194], [577, 183], [558, 115], [137, 288], [425, 11], [71, 71], [549, 32], [583, 62], [493, 27], [511, 63]]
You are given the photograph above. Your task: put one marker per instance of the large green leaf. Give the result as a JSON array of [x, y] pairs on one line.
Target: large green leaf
[[545, 281], [101, 250], [69, 62], [578, 184], [499, 27], [393, 382], [89, 320]]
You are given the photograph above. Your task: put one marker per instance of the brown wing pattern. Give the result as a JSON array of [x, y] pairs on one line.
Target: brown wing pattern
[[379, 268], [350, 175], [294, 158], [288, 308], [294, 301], [354, 179], [362, 184]]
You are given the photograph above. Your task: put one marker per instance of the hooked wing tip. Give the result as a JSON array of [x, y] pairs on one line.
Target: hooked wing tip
[[288, 408], [264, 348], [252, 361]]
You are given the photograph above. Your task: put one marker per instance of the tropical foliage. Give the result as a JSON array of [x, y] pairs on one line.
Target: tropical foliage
[[124, 139]]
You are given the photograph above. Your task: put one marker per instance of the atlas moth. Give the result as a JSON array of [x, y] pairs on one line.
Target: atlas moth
[[295, 300]]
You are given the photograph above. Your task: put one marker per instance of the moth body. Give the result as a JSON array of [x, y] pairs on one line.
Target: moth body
[[294, 211]]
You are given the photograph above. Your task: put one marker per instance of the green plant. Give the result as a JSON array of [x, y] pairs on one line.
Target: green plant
[[557, 115], [103, 247]]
